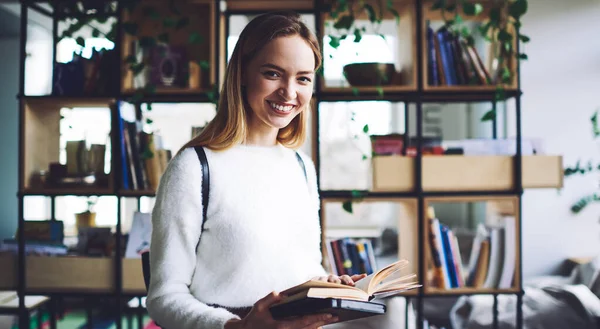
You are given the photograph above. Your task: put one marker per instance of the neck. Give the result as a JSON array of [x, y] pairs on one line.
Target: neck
[[261, 135]]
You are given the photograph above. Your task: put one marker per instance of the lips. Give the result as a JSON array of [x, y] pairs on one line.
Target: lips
[[287, 108]]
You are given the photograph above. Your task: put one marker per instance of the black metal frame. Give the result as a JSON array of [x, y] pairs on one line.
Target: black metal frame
[[418, 97]]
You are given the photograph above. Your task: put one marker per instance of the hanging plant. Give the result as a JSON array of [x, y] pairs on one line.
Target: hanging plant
[[172, 21], [502, 27], [588, 168]]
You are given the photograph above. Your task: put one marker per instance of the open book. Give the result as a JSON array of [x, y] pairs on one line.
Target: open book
[[384, 283]]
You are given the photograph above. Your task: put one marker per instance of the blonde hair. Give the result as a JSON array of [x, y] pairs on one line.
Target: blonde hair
[[230, 125]]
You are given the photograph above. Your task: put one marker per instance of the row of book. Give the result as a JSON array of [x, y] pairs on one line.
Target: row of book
[[452, 61], [87, 76], [143, 156], [351, 256], [491, 262]]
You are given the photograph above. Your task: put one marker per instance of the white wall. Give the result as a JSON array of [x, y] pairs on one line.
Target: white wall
[[561, 86]]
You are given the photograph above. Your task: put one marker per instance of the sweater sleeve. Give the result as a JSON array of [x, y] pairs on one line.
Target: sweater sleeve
[[176, 228]]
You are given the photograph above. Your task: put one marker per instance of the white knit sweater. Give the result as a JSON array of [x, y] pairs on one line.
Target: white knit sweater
[[262, 234]]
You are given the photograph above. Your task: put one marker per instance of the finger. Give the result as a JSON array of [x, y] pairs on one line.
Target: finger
[[334, 279], [346, 279], [310, 321], [267, 301], [357, 277], [319, 324]]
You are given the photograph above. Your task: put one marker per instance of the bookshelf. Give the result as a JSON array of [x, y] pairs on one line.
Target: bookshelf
[[411, 182]]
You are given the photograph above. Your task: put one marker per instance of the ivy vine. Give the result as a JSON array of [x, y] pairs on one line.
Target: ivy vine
[[588, 168]]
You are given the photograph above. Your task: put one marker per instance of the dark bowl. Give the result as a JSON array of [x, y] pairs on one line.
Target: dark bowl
[[369, 74]]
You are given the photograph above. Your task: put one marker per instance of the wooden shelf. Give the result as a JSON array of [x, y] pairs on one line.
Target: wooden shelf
[[470, 291], [67, 191], [51, 102], [72, 274], [136, 193], [452, 173], [268, 5]]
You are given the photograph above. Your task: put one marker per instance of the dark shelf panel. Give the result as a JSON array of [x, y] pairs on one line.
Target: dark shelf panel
[[343, 194], [453, 95], [470, 292], [136, 193], [76, 191]]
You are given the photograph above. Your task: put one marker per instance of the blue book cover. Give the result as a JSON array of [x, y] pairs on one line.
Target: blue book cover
[[449, 257], [432, 64], [444, 54]]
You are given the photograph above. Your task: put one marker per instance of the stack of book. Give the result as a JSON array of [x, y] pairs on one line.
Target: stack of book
[[351, 256], [491, 263], [452, 61]]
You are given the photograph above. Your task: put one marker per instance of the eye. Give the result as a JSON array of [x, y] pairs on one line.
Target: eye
[[271, 74], [304, 79]]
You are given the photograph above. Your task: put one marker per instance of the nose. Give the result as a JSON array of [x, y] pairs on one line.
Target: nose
[[288, 90]]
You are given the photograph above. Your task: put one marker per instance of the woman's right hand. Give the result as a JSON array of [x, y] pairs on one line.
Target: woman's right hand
[[260, 318]]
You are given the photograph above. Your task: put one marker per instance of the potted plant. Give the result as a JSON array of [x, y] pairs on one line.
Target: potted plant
[[88, 217]]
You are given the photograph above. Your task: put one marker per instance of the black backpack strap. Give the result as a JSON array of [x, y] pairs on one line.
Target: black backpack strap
[[302, 165], [205, 181]]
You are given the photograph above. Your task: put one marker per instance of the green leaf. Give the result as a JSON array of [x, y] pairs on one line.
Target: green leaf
[[357, 35], [137, 68], [150, 88], [164, 37], [366, 129], [495, 16], [130, 28], [149, 121], [80, 41], [357, 194], [149, 108], [147, 42], [355, 93], [500, 93], [182, 23], [458, 19], [504, 36], [169, 22], [523, 56], [364, 157], [334, 42], [195, 38], [131, 59], [345, 22], [439, 4], [380, 91], [489, 115], [595, 128], [150, 12], [472, 9], [464, 32], [347, 206], [485, 28], [506, 75], [524, 38], [95, 33], [517, 8], [370, 12]]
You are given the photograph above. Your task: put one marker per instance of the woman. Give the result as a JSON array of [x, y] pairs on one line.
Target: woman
[[261, 234]]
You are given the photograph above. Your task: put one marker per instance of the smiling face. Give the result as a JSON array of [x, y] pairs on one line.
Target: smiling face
[[279, 85]]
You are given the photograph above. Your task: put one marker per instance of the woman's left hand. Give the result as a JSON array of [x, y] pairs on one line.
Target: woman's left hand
[[344, 279]]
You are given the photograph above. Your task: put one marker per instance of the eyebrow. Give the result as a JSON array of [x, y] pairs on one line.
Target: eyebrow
[[273, 66]]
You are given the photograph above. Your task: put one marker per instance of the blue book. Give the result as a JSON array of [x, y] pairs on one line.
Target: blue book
[[432, 64], [449, 257], [445, 55]]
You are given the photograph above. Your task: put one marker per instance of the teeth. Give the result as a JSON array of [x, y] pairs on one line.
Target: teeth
[[281, 108]]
